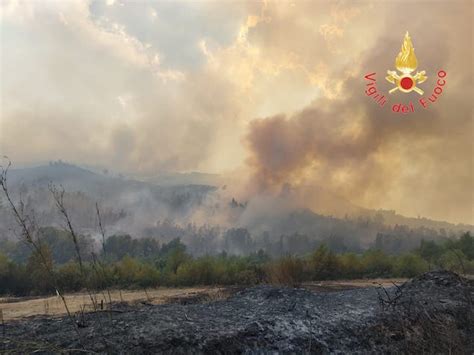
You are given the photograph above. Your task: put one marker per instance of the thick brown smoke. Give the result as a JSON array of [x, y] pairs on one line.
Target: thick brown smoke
[[418, 164]]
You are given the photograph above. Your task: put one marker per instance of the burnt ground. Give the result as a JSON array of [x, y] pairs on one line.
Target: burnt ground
[[429, 314]]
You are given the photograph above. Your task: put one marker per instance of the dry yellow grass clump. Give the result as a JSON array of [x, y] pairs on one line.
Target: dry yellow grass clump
[[20, 307]]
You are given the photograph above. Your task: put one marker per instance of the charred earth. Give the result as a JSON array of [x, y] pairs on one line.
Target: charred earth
[[430, 314]]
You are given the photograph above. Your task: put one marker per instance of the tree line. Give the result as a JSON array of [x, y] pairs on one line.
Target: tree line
[[143, 263]]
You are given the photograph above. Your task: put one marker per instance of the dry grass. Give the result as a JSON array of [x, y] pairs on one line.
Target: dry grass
[[339, 285], [16, 308], [21, 307], [287, 271]]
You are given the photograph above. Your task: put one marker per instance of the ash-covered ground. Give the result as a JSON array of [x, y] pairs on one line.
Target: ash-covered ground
[[430, 314]]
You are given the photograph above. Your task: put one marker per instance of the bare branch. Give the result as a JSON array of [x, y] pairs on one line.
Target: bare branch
[[58, 195], [27, 229], [101, 227]]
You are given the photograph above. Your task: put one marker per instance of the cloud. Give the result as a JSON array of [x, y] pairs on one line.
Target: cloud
[[73, 77]]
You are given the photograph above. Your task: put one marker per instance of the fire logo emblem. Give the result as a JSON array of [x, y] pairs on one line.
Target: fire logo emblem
[[406, 63]]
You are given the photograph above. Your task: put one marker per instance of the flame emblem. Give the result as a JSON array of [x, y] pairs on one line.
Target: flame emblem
[[406, 63]]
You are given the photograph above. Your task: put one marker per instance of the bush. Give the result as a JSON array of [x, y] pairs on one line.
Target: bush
[[350, 266], [430, 251], [101, 276], [14, 279], [39, 265], [69, 277], [410, 265], [288, 271], [202, 271], [454, 260], [147, 276], [376, 263], [324, 264]]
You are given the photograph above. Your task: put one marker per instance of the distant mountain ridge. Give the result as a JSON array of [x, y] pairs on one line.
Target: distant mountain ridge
[[76, 178], [173, 186], [191, 178]]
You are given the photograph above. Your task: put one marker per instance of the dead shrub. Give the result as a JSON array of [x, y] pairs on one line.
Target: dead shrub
[[287, 271]]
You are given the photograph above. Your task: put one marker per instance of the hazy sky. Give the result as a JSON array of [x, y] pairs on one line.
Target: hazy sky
[[274, 90]]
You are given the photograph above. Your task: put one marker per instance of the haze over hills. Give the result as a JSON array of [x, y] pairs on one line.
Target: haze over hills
[[77, 179], [126, 203], [191, 178], [135, 207]]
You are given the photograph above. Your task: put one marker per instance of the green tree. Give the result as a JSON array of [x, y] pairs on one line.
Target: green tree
[[466, 244], [430, 251]]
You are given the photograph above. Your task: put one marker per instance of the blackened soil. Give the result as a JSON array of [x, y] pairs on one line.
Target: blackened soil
[[429, 314]]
